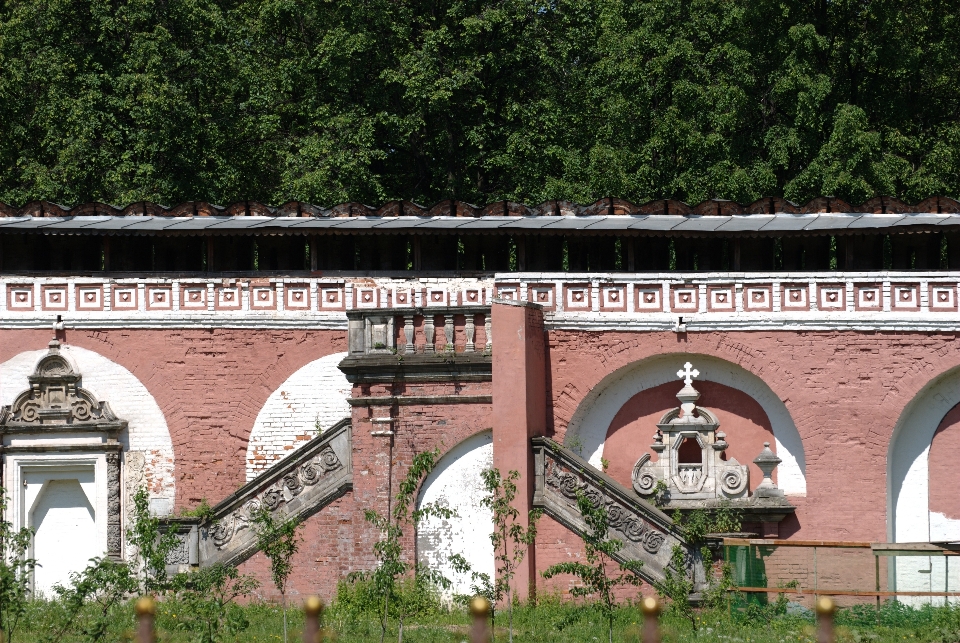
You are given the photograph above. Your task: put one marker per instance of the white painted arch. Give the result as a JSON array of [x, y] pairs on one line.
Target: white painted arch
[[314, 396], [456, 483], [593, 416], [147, 434]]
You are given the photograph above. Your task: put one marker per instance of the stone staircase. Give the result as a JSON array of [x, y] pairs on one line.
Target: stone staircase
[[648, 534], [297, 486]]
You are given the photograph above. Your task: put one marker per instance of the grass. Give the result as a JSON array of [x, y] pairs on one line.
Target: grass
[[551, 621]]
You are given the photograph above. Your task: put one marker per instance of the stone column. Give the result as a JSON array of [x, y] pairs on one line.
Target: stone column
[[519, 409], [114, 528]]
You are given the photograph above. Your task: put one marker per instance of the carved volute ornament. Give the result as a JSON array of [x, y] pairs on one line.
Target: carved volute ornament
[[56, 400], [690, 447]]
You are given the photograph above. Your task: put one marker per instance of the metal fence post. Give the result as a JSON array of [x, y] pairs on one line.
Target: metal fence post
[[651, 623], [146, 610], [480, 610], [312, 609], [825, 611]]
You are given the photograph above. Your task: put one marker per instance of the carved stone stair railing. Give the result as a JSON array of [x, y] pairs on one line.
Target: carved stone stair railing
[[298, 486], [647, 533]]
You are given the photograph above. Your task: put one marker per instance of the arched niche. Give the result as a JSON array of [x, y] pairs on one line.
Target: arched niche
[[926, 423], [456, 483], [588, 428], [310, 401], [147, 446], [908, 475]]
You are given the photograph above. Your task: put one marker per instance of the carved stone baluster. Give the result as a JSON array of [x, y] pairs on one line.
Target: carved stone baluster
[[488, 330], [430, 333], [469, 330], [114, 532], [408, 348], [448, 333]]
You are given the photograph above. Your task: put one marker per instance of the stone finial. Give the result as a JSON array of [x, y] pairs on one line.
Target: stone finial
[[658, 444], [688, 395], [767, 461]]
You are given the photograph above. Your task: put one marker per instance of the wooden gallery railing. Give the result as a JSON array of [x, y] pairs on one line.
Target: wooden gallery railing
[[313, 631]]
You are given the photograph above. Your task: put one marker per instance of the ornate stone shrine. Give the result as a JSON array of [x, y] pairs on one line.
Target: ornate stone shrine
[[690, 471]]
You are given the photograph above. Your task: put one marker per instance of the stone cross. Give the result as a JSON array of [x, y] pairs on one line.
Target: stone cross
[[688, 373]]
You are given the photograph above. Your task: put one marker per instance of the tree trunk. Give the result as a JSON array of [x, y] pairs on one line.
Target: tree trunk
[[283, 598]]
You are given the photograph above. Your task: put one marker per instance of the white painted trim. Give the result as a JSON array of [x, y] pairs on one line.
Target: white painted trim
[[596, 411]]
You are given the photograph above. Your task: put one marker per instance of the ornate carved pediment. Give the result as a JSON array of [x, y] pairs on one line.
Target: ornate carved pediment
[[56, 398]]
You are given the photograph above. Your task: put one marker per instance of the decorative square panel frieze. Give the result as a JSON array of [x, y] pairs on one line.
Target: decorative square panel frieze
[[366, 297], [943, 297], [296, 297], [193, 296], [508, 291], [90, 297], [613, 298], [832, 297], [228, 298], [795, 297], [53, 297], [331, 297], [20, 297], [868, 297], [757, 298], [125, 297], [159, 298], [648, 299], [685, 298], [401, 297], [437, 297], [576, 297], [721, 299], [542, 294], [472, 296], [263, 297], [905, 297]]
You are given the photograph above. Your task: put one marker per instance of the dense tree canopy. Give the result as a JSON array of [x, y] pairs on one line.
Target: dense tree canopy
[[366, 100]]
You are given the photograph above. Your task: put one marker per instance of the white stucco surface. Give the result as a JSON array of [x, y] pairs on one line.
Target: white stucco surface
[[314, 396], [147, 431], [66, 533], [592, 419], [456, 483]]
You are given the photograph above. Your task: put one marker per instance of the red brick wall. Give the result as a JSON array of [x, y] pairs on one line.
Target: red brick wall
[[844, 390], [944, 474]]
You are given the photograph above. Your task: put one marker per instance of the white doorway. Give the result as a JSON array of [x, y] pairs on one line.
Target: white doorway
[[62, 513]]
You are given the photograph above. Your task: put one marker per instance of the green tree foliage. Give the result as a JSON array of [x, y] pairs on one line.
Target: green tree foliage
[[203, 603], [279, 540], [221, 100], [151, 546], [601, 574], [16, 570], [92, 605]]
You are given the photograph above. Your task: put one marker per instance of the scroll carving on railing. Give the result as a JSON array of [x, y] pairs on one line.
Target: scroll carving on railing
[[287, 488], [648, 535], [619, 517]]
